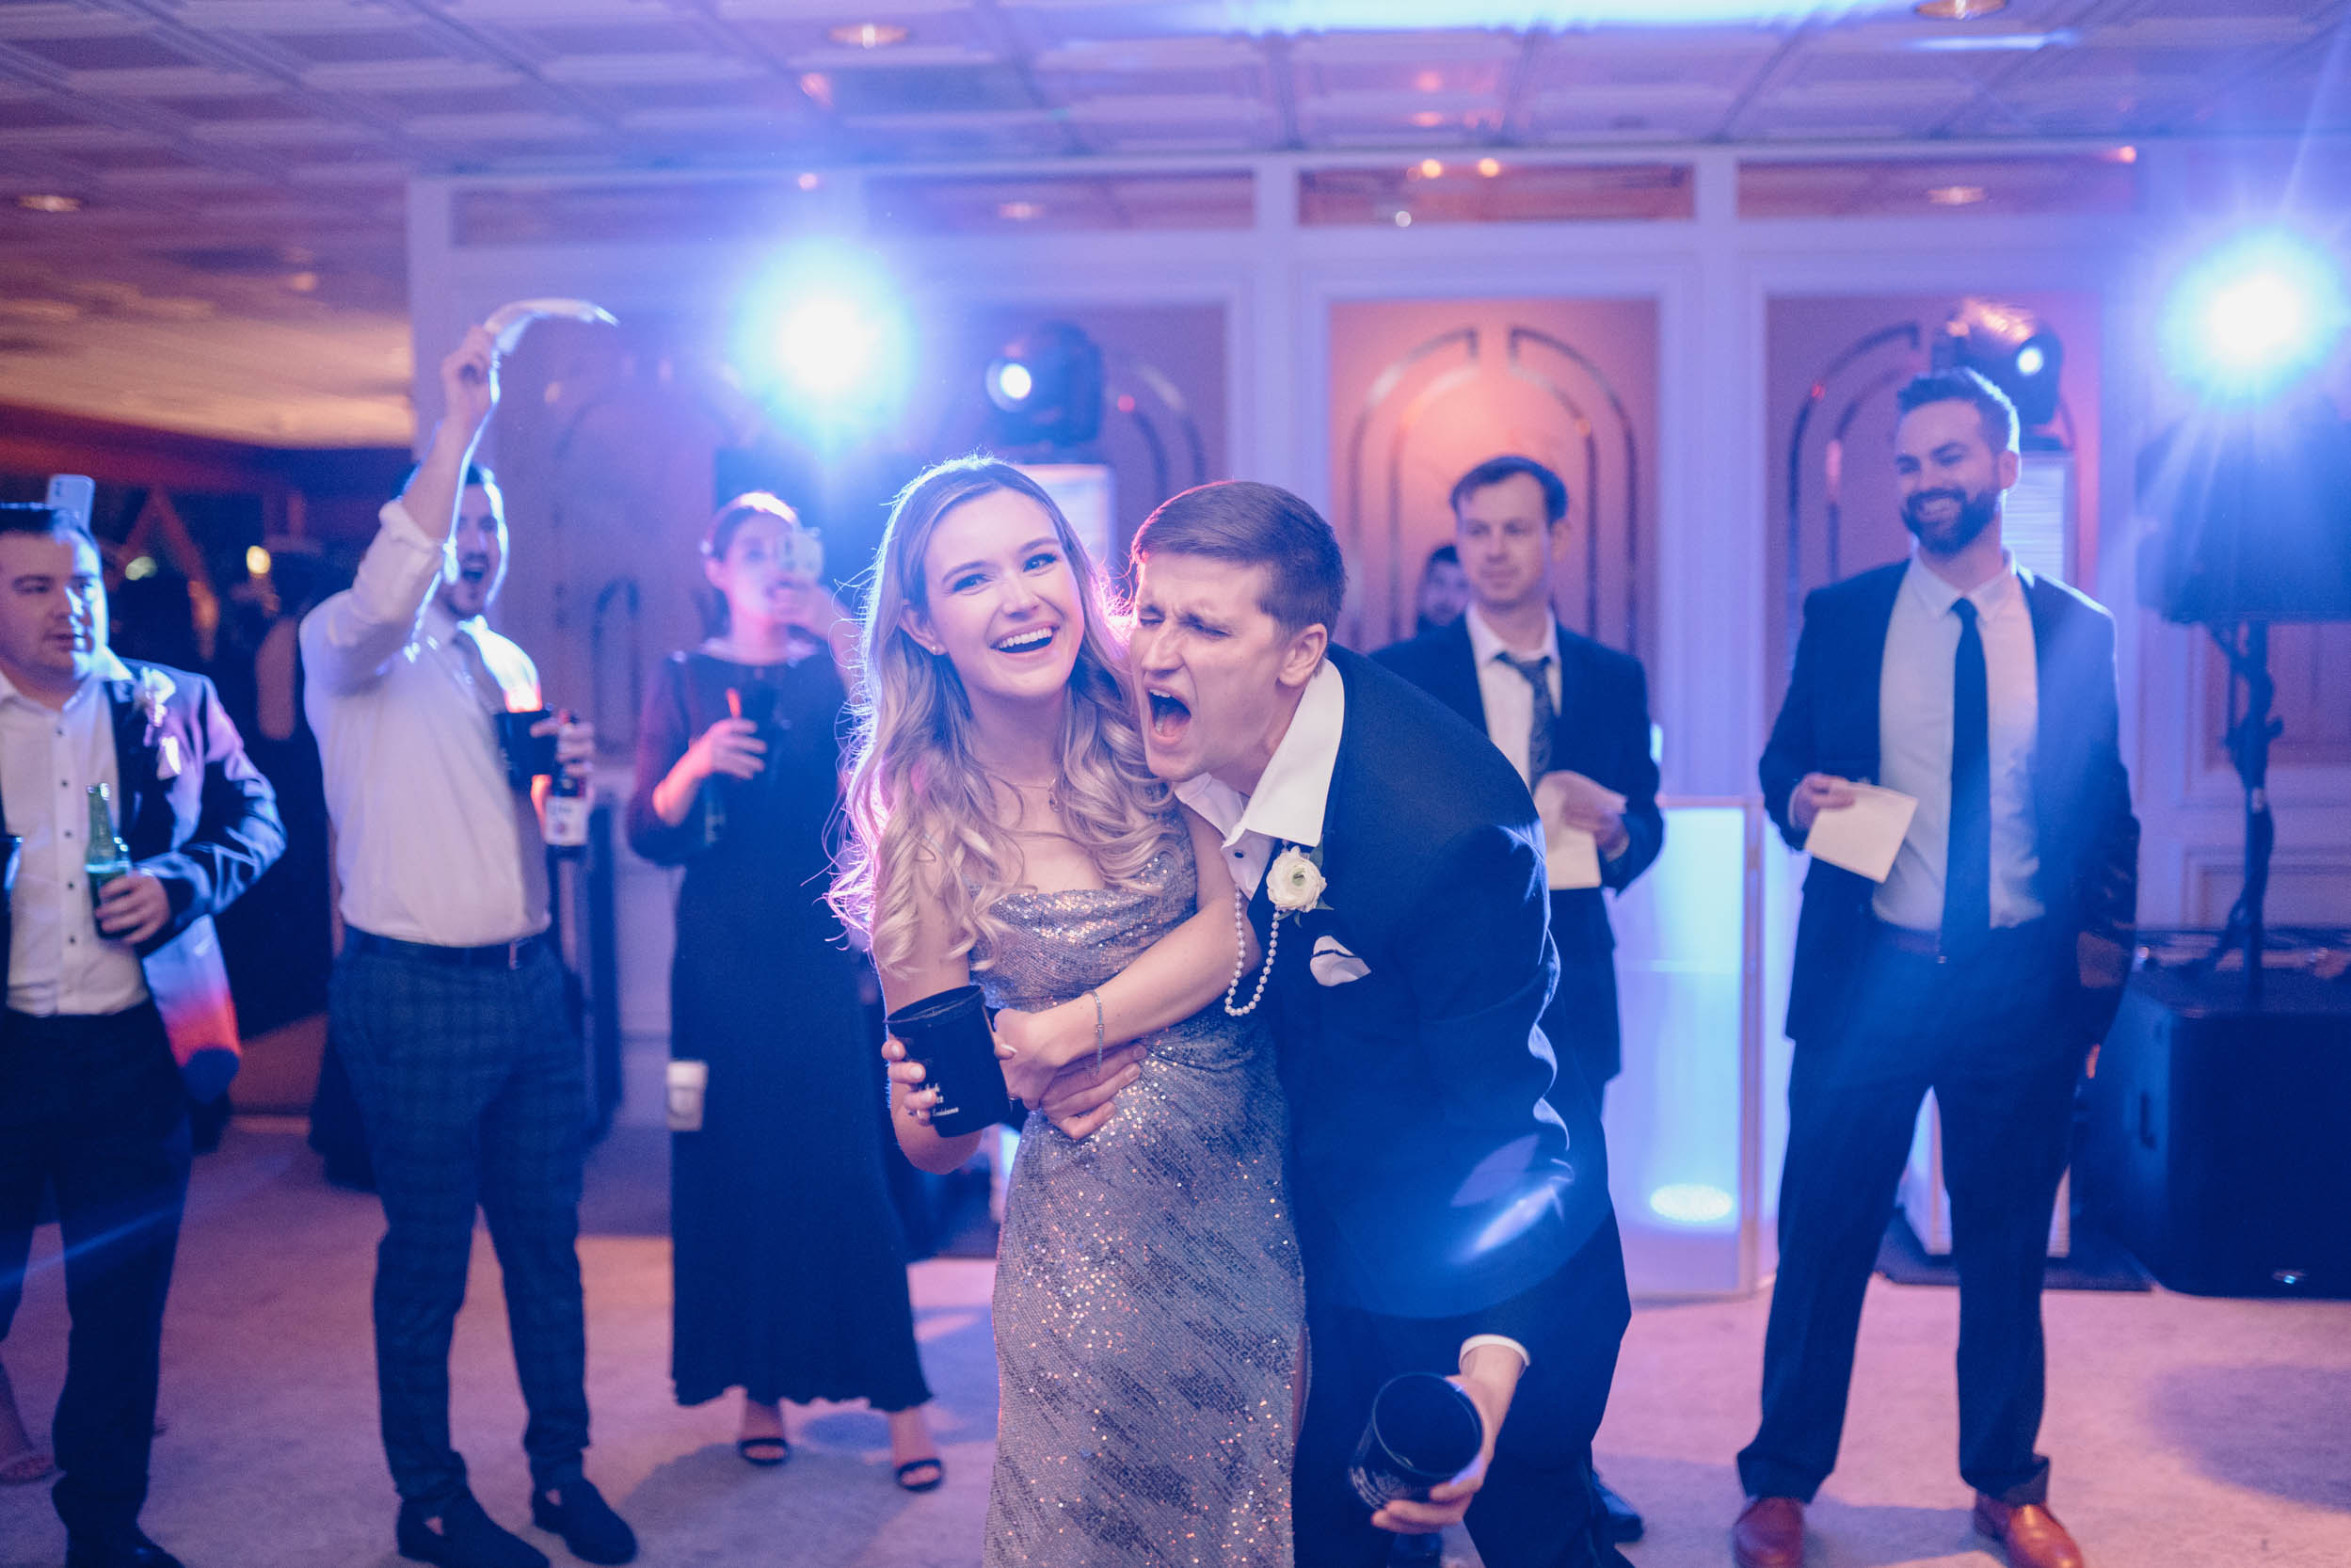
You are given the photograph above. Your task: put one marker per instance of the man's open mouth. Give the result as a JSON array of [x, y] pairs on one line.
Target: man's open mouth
[[1170, 714], [473, 574], [1035, 641]]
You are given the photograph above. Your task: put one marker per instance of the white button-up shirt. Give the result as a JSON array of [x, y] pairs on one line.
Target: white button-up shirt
[[58, 960], [1508, 697], [1914, 700], [1292, 791], [432, 844]]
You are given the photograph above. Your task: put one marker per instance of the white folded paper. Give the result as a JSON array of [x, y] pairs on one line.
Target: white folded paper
[[1571, 855], [1864, 836]]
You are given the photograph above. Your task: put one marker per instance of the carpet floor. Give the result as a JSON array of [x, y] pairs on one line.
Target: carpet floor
[[2186, 1432]]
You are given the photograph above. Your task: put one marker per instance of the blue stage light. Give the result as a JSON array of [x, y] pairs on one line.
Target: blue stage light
[[2256, 314], [827, 335], [1692, 1203], [1010, 382]]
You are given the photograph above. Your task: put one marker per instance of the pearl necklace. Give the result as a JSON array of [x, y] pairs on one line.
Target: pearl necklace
[[1240, 958]]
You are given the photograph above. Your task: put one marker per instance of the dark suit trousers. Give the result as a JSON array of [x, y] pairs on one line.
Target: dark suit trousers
[[1536, 1509], [473, 1092], [91, 1108], [1990, 1037]]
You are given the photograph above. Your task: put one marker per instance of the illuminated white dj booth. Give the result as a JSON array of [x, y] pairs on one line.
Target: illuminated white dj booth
[[1698, 1118]]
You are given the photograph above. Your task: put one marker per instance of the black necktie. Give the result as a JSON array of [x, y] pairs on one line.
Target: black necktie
[[1967, 865], [1537, 673]]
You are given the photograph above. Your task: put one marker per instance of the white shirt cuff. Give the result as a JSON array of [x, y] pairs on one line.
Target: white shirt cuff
[[1475, 1341]]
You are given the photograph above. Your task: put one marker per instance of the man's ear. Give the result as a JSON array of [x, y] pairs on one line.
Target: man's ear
[[2010, 465], [917, 626], [1303, 655]]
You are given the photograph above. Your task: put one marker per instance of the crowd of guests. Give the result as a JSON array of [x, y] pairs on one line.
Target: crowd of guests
[[1101, 822]]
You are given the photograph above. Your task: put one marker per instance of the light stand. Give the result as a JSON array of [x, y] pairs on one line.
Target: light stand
[[2248, 738]]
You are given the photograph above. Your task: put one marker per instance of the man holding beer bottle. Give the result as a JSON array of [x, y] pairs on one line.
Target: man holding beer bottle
[[133, 817]]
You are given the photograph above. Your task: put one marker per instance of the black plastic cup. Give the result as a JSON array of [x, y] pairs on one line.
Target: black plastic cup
[[1423, 1431], [948, 1034], [528, 755]]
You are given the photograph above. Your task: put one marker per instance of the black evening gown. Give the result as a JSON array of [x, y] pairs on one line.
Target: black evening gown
[[790, 1262]]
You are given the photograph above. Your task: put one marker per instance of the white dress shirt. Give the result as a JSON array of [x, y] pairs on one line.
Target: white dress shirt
[[1292, 791], [1287, 807], [1507, 695], [1914, 741], [58, 960], [431, 842]]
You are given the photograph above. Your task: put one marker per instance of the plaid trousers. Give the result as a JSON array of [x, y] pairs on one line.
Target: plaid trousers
[[472, 1089]]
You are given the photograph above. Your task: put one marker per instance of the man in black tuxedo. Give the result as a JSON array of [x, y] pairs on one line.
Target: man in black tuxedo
[[105, 993], [1983, 967], [1558, 706], [1563, 708], [1451, 1218]]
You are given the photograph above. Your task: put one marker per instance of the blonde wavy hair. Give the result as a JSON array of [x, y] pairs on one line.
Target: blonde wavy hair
[[917, 793]]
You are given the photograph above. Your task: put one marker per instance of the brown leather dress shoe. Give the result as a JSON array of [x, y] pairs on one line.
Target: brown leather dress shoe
[[2030, 1532], [1769, 1534]]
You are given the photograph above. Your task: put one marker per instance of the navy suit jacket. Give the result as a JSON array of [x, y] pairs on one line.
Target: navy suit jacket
[[2085, 833], [1430, 1177], [202, 820], [1602, 731]]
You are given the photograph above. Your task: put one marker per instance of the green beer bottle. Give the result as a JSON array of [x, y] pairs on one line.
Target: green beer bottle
[[107, 856]]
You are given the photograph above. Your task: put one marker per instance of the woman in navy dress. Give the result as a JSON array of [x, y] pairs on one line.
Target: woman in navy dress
[[738, 771]]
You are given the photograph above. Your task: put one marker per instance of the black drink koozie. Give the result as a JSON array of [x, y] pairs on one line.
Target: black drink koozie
[[1423, 1431], [948, 1034]]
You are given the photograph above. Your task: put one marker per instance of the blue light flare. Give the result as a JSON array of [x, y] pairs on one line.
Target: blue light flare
[[826, 334], [2256, 314]]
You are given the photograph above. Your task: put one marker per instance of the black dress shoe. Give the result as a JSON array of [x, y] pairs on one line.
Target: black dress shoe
[[1624, 1522], [455, 1533], [586, 1521], [131, 1549]]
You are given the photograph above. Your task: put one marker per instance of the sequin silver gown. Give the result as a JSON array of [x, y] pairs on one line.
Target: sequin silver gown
[[1147, 1302]]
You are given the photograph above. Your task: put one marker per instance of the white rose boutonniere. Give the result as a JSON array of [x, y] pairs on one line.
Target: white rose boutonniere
[[1294, 882], [155, 690]]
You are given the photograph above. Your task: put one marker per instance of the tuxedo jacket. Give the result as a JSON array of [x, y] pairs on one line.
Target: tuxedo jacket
[[1600, 730], [1428, 1176], [2085, 834], [199, 819]]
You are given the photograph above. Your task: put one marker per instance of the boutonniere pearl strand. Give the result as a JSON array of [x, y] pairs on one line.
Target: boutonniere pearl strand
[[1293, 885]]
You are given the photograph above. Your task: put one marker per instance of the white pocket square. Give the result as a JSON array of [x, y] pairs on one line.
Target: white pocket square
[[1332, 965]]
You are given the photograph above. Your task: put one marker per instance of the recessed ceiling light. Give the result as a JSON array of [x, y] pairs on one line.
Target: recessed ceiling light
[[1428, 81], [303, 283], [819, 89], [1404, 218], [49, 202], [1427, 117], [810, 180], [878, 34], [1429, 168], [1955, 196], [1019, 211], [1489, 166], [1958, 11], [2124, 155]]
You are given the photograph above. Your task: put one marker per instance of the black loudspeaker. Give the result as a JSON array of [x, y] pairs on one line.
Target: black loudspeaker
[[2218, 1147], [2252, 514]]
